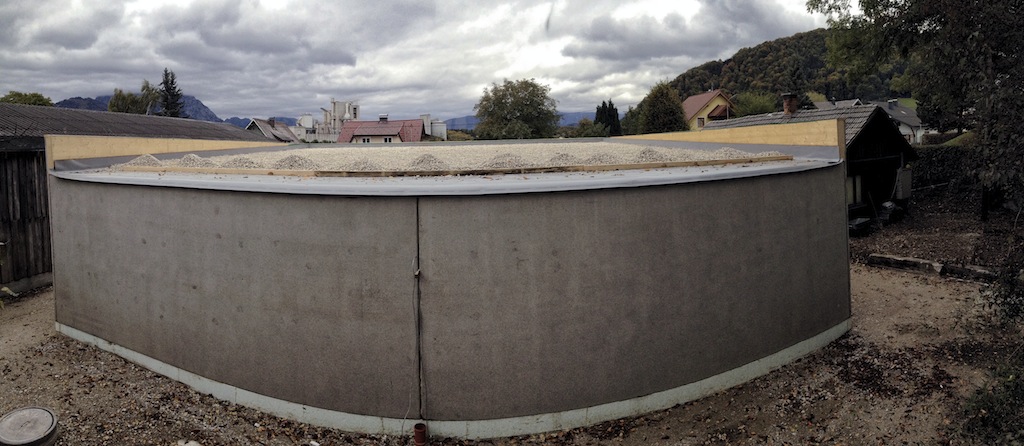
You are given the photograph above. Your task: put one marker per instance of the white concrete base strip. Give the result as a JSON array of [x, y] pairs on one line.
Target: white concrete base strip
[[476, 429]]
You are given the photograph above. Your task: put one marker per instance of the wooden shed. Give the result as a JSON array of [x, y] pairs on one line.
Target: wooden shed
[[876, 155]]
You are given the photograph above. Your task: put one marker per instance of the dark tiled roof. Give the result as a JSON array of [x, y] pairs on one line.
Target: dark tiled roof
[[273, 130], [897, 112], [827, 105], [856, 117], [33, 120]]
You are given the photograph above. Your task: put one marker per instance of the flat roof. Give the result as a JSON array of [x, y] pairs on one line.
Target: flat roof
[[442, 182]]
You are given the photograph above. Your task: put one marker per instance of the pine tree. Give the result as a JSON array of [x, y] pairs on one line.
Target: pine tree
[[608, 115], [170, 96]]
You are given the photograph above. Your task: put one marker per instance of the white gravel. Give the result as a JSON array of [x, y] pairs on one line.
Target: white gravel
[[454, 157]]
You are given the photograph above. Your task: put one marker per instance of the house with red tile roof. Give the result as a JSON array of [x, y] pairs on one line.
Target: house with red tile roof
[[705, 107], [382, 130]]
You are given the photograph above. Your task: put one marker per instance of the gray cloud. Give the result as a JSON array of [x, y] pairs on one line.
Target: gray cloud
[[247, 58]]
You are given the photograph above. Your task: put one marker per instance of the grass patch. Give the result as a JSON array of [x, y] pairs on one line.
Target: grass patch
[[995, 414], [966, 139]]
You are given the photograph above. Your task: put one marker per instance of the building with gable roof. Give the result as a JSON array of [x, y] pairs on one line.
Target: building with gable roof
[[706, 107], [877, 155], [385, 130], [273, 129]]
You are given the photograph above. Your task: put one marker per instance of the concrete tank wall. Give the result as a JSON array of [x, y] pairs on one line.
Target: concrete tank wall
[[303, 298], [541, 303], [457, 308]]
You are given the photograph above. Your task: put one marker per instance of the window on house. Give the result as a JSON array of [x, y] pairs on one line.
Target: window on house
[[700, 122], [366, 140], [387, 139]]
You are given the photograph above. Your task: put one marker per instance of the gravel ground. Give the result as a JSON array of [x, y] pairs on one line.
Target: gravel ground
[[433, 157], [899, 377]]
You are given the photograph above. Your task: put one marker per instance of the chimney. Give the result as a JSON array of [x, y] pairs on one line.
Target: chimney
[[789, 103], [383, 118], [270, 121], [892, 103]]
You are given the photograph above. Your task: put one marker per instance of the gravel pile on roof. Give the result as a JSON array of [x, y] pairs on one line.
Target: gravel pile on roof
[[506, 161], [296, 162], [193, 160], [146, 160], [727, 153], [602, 158], [565, 159], [362, 165], [242, 162], [427, 162], [650, 155]]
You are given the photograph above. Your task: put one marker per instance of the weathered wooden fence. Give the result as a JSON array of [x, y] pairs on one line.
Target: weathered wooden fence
[[25, 253]]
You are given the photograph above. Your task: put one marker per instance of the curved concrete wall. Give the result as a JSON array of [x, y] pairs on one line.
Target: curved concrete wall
[[505, 309]]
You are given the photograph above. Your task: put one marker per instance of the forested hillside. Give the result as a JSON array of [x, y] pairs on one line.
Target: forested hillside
[[790, 64]]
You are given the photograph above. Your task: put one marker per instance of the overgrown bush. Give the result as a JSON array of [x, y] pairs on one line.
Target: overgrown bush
[[945, 164], [937, 138], [1005, 296], [458, 135]]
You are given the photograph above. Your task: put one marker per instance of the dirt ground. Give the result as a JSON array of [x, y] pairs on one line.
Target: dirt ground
[[918, 349]]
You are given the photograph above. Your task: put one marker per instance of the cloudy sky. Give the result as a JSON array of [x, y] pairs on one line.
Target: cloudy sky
[[260, 58]]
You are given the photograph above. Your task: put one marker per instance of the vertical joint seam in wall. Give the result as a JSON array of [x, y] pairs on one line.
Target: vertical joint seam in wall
[[419, 317]]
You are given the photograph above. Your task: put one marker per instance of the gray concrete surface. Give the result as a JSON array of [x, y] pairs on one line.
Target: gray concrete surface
[[541, 303], [530, 303]]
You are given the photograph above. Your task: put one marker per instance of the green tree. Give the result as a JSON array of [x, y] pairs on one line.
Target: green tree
[[516, 110], [587, 129], [170, 96], [966, 55], [662, 110], [141, 104], [608, 116], [755, 103], [17, 97], [631, 120]]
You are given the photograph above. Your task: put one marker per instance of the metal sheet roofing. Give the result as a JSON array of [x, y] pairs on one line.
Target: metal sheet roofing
[[32, 120]]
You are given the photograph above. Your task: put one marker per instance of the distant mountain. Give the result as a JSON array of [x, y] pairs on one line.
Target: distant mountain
[[573, 118], [84, 103], [192, 107], [462, 123], [196, 109], [289, 121], [238, 122]]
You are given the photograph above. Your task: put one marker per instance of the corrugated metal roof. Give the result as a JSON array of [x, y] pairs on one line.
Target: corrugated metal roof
[[856, 117], [33, 120]]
